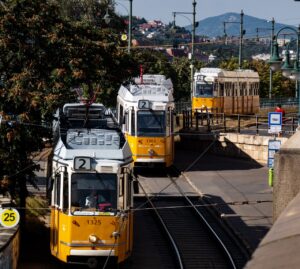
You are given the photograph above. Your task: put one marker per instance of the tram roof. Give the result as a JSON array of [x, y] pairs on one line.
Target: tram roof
[[95, 143], [226, 74], [150, 87]]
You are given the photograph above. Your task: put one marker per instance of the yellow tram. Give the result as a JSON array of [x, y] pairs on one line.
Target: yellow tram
[[91, 221], [230, 92], [145, 109]]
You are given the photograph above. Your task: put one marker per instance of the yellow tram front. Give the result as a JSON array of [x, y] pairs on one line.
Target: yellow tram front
[[150, 137], [203, 96], [90, 219], [145, 109]]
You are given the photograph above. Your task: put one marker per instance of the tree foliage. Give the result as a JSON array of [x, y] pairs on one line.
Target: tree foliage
[[43, 57]]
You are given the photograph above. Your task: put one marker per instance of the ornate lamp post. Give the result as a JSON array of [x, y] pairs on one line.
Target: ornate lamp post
[[288, 70]]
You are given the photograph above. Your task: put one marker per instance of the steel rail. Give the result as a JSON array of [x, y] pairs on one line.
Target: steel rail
[[175, 247], [204, 220]]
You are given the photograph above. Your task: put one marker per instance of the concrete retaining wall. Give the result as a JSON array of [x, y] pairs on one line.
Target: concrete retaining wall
[[9, 248], [280, 247], [286, 174], [9, 242], [232, 144], [253, 146]]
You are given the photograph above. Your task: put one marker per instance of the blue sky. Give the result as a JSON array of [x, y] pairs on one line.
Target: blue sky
[[283, 11]]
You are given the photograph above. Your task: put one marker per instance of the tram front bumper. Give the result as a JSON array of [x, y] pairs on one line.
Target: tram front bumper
[[92, 252]]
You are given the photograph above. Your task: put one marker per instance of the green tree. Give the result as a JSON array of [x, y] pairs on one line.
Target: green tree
[[42, 58]]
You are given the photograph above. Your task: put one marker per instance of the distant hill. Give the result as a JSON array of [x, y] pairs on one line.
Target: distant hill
[[214, 26]]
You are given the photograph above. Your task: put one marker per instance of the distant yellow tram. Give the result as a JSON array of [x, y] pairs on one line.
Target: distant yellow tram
[[230, 92], [91, 221], [145, 110]]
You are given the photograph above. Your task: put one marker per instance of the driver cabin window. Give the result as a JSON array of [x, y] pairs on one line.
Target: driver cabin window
[[151, 123], [204, 90], [93, 192]]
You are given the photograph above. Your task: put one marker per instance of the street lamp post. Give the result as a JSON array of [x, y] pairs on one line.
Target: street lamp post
[[194, 25], [242, 32], [130, 26], [293, 72], [272, 37], [107, 19]]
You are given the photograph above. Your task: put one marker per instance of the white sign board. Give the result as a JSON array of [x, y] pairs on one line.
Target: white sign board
[[275, 122]]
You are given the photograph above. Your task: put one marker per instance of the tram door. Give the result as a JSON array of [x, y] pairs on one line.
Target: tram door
[[55, 214], [128, 204], [125, 199], [171, 115]]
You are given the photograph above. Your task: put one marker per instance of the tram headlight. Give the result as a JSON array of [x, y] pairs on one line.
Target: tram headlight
[[93, 238]]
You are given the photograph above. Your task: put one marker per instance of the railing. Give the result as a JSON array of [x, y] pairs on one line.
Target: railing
[[209, 121], [284, 101], [264, 103]]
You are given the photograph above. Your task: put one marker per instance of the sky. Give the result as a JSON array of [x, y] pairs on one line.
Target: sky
[[283, 11]]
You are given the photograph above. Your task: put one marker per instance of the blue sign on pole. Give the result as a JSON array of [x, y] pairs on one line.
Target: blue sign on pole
[[273, 147], [275, 122]]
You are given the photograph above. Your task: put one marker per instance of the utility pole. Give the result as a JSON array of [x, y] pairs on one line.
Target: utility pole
[[130, 26], [192, 52], [271, 72], [241, 39]]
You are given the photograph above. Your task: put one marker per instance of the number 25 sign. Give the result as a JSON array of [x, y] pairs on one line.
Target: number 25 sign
[[9, 217]]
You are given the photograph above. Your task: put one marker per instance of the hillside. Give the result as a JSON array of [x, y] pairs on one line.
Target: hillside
[[214, 26]]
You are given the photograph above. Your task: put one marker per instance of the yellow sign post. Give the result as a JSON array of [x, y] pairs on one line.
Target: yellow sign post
[[9, 217]]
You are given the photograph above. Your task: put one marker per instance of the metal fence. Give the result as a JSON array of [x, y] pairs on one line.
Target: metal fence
[[243, 124], [264, 103], [284, 101]]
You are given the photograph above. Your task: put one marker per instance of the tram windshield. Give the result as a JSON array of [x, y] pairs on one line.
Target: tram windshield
[[151, 123], [93, 192], [204, 90]]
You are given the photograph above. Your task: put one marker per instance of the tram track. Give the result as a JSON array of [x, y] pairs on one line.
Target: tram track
[[193, 231]]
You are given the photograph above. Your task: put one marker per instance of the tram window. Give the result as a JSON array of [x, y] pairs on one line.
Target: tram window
[[221, 89], [168, 123], [65, 193], [126, 116], [128, 193], [93, 192], [151, 123], [121, 115], [133, 122], [171, 120], [204, 90], [57, 190]]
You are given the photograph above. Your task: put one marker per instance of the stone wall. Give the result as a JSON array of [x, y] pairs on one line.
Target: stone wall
[[286, 174], [9, 248], [239, 145], [280, 247]]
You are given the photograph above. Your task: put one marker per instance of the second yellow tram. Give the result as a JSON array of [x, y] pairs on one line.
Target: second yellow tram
[[145, 110]]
